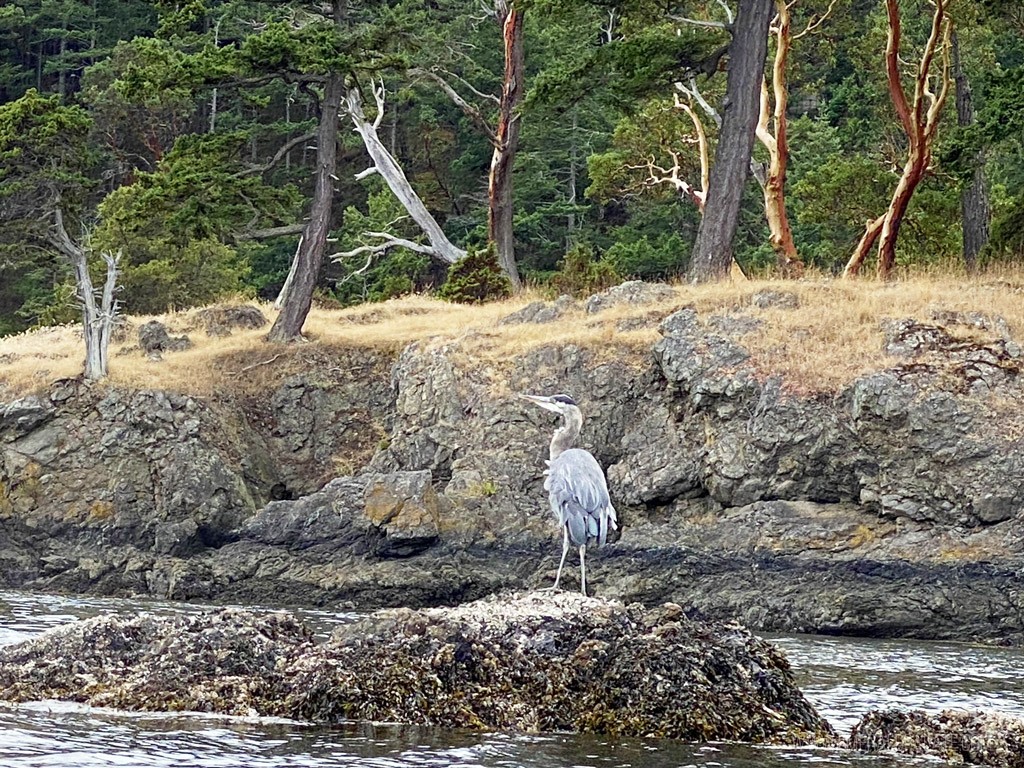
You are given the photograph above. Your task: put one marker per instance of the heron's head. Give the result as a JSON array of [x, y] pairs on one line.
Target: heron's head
[[560, 404]]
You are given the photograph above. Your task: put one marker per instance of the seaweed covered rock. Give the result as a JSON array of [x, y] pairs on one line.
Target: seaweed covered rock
[[982, 738], [524, 662], [229, 661]]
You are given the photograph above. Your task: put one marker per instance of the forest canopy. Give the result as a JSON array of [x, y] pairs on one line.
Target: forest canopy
[[557, 137]]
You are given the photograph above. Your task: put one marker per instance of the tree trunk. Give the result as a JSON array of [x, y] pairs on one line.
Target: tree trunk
[[570, 224], [974, 205], [385, 164], [310, 253], [774, 184], [97, 322], [499, 191], [712, 253], [913, 172], [62, 76], [920, 120], [867, 241], [919, 124]]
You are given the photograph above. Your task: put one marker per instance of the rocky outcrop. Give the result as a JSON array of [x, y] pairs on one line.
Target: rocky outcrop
[[221, 321], [154, 339], [980, 738], [540, 311], [632, 292], [888, 507], [527, 662]]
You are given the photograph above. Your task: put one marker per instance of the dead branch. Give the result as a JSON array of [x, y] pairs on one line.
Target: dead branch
[[468, 109], [254, 365], [278, 156]]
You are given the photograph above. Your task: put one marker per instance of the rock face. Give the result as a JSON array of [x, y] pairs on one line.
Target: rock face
[[527, 662], [889, 507], [981, 738]]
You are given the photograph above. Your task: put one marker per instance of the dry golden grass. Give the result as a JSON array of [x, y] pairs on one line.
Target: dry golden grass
[[830, 339]]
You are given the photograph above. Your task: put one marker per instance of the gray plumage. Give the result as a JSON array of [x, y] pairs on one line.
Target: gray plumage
[[576, 486]]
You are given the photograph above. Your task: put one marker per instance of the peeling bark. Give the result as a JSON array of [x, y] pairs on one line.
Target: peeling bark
[[774, 178], [920, 120], [499, 189]]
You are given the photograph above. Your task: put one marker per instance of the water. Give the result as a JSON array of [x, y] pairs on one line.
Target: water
[[843, 677]]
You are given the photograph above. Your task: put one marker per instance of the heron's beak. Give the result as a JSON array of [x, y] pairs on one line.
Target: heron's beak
[[542, 401]]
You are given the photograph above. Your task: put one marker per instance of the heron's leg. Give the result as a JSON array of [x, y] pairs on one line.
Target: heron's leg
[[583, 568], [565, 551]]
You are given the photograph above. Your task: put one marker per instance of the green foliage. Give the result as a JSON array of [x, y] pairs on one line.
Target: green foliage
[[45, 161], [475, 279], [667, 256], [171, 277], [583, 274], [173, 226]]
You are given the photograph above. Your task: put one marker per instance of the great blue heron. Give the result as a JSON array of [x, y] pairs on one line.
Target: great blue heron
[[575, 484]]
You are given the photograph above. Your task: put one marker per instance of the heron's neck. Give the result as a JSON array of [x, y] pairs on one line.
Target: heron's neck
[[566, 435]]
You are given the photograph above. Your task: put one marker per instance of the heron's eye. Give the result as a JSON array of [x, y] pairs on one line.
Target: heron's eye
[[563, 399]]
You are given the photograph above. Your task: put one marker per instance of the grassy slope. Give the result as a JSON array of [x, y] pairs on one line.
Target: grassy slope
[[833, 337]]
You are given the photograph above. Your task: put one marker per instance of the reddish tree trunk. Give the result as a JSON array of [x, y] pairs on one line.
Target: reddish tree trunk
[[499, 193], [786, 256], [920, 121]]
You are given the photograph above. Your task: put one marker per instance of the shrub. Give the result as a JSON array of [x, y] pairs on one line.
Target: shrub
[[476, 278], [583, 273]]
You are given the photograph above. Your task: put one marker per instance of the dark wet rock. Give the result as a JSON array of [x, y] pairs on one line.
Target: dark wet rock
[[540, 311], [979, 738], [769, 298], [153, 338], [220, 321], [633, 292], [526, 662], [230, 661]]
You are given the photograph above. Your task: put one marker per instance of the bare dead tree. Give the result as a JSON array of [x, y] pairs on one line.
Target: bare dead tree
[[97, 320], [920, 121], [385, 165]]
